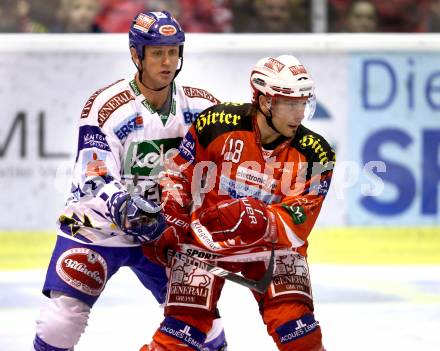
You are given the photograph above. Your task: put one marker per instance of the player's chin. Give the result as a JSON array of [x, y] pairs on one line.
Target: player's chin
[[290, 131], [166, 77]]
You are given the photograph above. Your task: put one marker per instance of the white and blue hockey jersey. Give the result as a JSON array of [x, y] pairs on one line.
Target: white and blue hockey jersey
[[122, 135]]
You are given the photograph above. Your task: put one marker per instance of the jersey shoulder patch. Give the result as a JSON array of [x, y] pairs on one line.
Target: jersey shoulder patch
[[313, 146], [112, 104], [222, 118], [88, 105], [200, 93]]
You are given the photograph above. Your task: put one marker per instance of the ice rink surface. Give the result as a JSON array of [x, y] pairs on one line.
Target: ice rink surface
[[360, 308]]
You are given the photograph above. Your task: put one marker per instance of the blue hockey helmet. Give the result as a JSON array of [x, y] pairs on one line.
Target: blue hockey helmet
[[156, 29]]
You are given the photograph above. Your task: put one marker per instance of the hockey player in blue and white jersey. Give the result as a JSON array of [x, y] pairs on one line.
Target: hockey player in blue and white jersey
[[126, 131]]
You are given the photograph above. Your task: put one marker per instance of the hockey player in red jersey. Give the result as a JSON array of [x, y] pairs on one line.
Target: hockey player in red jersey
[[247, 178]]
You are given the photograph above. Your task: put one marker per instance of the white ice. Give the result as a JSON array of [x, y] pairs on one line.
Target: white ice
[[362, 308]]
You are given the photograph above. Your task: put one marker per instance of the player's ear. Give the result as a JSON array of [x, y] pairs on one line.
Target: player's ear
[[135, 57], [264, 103]]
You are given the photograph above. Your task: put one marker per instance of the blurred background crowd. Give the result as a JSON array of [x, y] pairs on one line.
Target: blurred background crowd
[[223, 16]]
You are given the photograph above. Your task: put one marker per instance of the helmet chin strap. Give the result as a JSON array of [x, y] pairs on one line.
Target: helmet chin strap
[[268, 117]]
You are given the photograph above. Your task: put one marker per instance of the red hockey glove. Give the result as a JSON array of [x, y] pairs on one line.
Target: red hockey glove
[[176, 204], [157, 251], [246, 218]]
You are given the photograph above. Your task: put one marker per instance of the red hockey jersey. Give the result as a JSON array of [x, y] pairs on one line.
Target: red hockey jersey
[[221, 157]]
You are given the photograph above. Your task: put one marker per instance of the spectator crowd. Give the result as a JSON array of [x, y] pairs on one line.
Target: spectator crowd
[[220, 16]]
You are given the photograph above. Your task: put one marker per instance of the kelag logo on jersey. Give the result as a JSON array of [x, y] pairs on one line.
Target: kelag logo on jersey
[[128, 125], [144, 157]]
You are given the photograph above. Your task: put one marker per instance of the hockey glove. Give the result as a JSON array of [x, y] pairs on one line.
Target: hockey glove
[[157, 251], [246, 218], [176, 204], [137, 216]]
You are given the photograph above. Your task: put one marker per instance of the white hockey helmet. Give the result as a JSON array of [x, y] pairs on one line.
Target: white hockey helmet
[[283, 76]]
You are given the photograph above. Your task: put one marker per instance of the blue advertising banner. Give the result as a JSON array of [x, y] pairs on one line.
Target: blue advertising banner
[[394, 137]]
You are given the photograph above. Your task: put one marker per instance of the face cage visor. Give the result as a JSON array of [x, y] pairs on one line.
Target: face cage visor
[[309, 110]]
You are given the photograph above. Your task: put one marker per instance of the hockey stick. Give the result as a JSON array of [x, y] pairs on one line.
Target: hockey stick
[[259, 286], [135, 180]]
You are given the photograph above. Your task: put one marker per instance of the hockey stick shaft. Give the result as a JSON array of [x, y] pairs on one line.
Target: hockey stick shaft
[[259, 286]]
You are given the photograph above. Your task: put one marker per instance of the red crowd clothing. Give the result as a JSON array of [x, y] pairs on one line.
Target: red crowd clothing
[[394, 15], [222, 152], [116, 15], [206, 16]]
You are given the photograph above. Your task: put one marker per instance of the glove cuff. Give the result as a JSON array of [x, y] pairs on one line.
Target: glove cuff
[[271, 234], [116, 206]]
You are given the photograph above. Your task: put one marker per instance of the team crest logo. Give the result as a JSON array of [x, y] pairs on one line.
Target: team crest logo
[[167, 30], [96, 167]]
